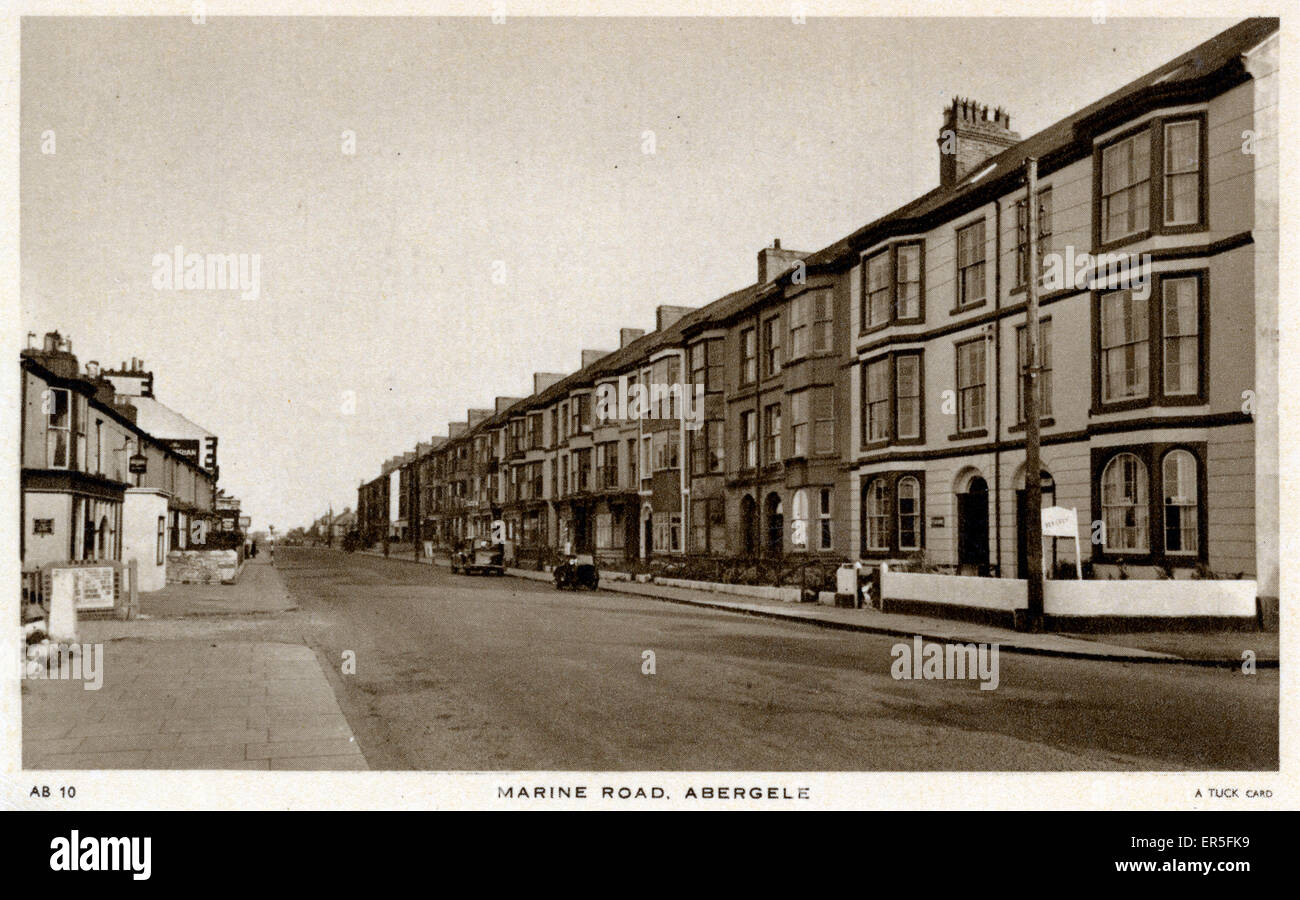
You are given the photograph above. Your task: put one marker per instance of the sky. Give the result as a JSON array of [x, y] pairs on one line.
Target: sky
[[480, 151]]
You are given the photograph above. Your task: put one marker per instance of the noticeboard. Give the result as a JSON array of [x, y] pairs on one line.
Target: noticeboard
[[88, 587]]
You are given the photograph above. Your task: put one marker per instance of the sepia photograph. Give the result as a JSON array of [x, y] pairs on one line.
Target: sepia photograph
[[646, 409]]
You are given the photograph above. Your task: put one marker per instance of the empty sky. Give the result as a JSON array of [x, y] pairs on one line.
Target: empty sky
[[475, 143]]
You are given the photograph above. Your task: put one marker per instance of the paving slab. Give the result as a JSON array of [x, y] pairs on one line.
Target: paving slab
[[187, 704]]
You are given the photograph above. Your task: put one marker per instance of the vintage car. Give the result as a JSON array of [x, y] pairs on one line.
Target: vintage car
[[574, 572], [479, 556]]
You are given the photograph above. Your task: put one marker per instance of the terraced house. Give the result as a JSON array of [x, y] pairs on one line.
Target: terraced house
[[867, 400], [1157, 242]]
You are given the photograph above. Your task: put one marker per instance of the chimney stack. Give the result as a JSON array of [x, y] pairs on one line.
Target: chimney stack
[[970, 136], [774, 262], [628, 335], [543, 380], [590, 356], [504, 403], [665, 316]]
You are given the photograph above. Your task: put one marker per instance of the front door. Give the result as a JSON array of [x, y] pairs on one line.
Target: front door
[[1026, 525], [973, 526]]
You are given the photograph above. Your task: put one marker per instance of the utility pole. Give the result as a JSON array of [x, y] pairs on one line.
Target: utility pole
[[1032, 620], [414, 503]]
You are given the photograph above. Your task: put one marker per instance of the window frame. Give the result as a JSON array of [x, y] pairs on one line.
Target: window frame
[[892, 436], [890, 516], [825, 519], [890, 253], [961, 302], [1157, 178], [1021, 249], [748, 444], [1044, 411], [772, 432], [69, 451], [962, 429], [1152, 456], [1156, 395], [772, 362], [748, 356]]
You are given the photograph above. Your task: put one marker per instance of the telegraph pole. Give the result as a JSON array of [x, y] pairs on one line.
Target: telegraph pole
[[1033, 617]]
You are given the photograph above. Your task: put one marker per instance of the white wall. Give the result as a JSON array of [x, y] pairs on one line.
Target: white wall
[[955, 590], [40, 549], [141, 509], [1149, 598], [1127, 598]]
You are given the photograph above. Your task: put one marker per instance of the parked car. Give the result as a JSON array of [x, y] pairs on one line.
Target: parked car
[[479, 556], [575, 572]]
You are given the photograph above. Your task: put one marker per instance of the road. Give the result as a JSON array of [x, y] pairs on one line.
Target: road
[[458, 672]]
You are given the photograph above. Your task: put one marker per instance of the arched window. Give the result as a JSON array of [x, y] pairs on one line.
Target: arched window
[[1124, 504], [909, 513], [1179, 477], [875, 508]]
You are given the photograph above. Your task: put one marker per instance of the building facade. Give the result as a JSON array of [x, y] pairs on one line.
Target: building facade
[[96, 485], [865, 401]]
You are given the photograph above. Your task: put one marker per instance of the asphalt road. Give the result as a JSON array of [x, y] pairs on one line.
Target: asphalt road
[[458, 672]]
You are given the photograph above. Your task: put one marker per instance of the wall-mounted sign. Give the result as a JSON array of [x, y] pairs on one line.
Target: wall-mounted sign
[[183, 446], [43, 526], [936, 521], [138, 463]]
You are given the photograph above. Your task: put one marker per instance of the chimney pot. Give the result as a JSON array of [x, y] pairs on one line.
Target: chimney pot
[[971, 133]]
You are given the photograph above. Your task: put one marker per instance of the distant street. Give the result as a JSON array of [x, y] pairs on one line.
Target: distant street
[[489, 673]]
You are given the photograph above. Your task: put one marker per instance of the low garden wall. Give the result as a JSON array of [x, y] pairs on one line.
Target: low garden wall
[[202, 566], [1144, 604], [757, 591]]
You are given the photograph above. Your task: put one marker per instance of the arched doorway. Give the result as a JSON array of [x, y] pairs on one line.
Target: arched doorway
[[973, 527], [1028, 524], [775, 523], [748, 525]]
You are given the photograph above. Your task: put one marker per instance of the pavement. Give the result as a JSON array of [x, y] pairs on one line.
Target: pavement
[[259, 590], [177, 694], [1207, 648]]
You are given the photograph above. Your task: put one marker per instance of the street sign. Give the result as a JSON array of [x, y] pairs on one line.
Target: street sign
[[1060, 522]]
